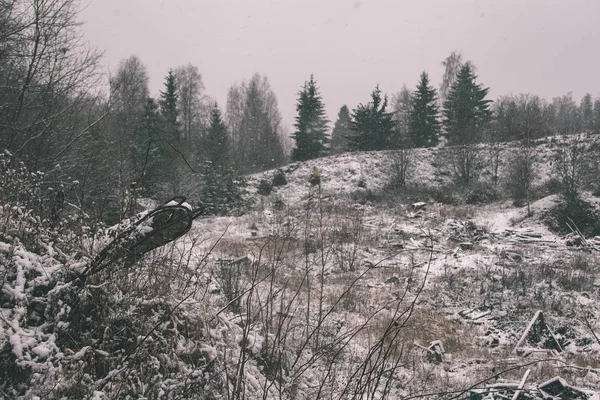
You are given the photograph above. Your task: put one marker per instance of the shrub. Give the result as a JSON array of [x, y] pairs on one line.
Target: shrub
[[315, 177], [278, 204], [265, 187], [222, 192], [481, 193], [552, 186], [584, 215], [519, 177], [463, 162], [279, 178]]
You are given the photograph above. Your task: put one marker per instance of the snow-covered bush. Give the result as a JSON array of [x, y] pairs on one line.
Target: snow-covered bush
[[279, 178]]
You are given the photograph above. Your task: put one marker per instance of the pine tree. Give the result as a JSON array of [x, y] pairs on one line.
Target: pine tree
[[466, 110], [424, 127], [168, 106], [172, 150], [372, 126], [311, 124], [216, 141], [221, 188], [146, 151], [596, 116], [341, 130]]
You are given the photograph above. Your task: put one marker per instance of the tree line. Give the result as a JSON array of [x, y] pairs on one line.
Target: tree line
[[102, 145]]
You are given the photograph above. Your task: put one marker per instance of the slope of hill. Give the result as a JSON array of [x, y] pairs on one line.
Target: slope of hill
[[319, 290]]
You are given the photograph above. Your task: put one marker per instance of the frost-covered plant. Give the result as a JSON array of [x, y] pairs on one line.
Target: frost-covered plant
[[279, 178], [125, 331], [37, 204], [265, 187]]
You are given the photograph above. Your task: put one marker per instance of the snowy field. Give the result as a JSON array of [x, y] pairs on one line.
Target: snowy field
[[317, 291]]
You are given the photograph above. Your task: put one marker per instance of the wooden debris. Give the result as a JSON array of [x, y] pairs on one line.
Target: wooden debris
[[419, 206], [466, 246], [475, 316], [558, 388], [576, 238], [435, 352], [466, 231], [521, 385], [537, 335]]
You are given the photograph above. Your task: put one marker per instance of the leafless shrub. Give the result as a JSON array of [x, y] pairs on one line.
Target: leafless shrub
[[463, 162], [519, 177], [400, 168], [575, 167]]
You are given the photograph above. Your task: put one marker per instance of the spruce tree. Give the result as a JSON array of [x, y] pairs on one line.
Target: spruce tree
[[216, 141], [311, 124], [424, 127], [466, 110], [372, 126], [596, 119], [221, 188], [341, 130], [146, 151], [172, 151], [168, 109]]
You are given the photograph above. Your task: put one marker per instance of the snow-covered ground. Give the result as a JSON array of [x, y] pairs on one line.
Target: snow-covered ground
[[316, 291]]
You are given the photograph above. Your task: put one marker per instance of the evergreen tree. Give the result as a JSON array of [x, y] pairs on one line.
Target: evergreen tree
[[311, 124], [597, 116], [372, 126], [172, 151], [341, 130], [466, 110], [168, 101], [146, 151], [216, 140], [221, 188], [424, 127]]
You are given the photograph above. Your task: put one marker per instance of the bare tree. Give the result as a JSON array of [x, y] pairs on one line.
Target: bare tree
[[519, 117], [129, 91], [401, 106], [566, 114], [234, 112], [255, 123], [463, 162], [520, 175], [574, 166], [193, 103], [48, 74], [452, 64]]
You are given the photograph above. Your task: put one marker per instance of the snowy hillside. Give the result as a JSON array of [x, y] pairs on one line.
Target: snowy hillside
[[329, 290]]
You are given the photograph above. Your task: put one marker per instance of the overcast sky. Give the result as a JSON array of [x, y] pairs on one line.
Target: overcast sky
[[545, 47]]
